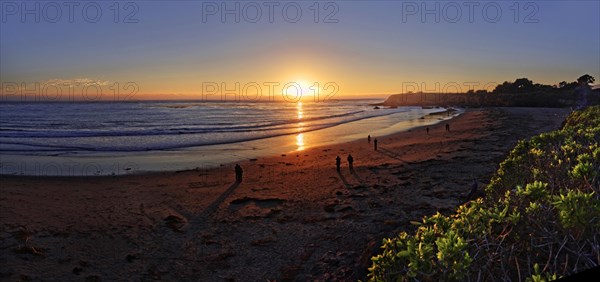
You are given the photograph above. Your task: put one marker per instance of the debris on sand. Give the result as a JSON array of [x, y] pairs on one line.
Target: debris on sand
[[175, 222]]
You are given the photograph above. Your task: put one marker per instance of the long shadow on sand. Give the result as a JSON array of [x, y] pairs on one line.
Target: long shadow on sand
[[343, 179], [357, 177], [390, 154], [213, 207]]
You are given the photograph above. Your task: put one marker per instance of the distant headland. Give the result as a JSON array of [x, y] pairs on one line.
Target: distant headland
[[520, 93]]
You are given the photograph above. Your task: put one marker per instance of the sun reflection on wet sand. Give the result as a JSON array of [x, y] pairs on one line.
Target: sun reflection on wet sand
[[300, 142], [300, 136]]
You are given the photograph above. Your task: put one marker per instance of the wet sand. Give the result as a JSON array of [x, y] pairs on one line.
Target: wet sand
[[293, 217]]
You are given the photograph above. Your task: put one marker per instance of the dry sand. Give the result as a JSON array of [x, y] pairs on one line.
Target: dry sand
[[292, 218]]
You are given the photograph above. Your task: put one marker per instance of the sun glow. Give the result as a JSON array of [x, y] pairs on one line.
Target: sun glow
[[307, 91], [298, 90]]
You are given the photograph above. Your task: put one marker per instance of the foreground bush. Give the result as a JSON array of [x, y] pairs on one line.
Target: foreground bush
[[540, 218]]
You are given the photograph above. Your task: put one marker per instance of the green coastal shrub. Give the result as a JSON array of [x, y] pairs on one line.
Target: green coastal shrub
[[539, 220]]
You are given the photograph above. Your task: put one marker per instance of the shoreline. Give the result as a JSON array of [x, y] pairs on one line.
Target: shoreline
[[229, 164], [293, 217], [210, 156]]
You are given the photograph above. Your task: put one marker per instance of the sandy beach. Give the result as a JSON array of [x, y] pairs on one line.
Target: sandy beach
[[293, 217]]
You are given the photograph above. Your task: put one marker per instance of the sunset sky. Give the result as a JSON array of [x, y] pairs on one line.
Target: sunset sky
[[376, 47]]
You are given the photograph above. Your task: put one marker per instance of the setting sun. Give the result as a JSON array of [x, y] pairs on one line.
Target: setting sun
[[300, 90]]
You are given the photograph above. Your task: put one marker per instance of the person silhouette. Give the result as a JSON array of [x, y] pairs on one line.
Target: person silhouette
[[338, 162], [369, 139], [448, 127], [427, 130], [474, 193], [350, 162], [375, 144], [238, 173]]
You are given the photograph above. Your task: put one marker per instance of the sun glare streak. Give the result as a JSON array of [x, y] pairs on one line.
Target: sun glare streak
[[300, 136], [300, 111]]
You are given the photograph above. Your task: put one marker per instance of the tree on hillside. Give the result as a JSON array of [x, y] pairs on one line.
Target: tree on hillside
[[544, 87], [586, 78], [505, 87], [563, 85], [582, 81], [522, 85]]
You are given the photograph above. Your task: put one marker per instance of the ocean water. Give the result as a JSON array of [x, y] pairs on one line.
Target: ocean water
[[170, 135]]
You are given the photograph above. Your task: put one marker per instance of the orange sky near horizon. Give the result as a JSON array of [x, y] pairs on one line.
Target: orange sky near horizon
[[370, 50]]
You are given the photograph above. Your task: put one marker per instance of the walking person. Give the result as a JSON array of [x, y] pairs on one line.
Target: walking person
[[375, 144], [338, 163], [369, 139], [239, 172], [427, 130], [447, 127], [350, 162]]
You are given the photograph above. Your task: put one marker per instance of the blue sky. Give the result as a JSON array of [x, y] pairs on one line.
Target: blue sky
[[375, 47]]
